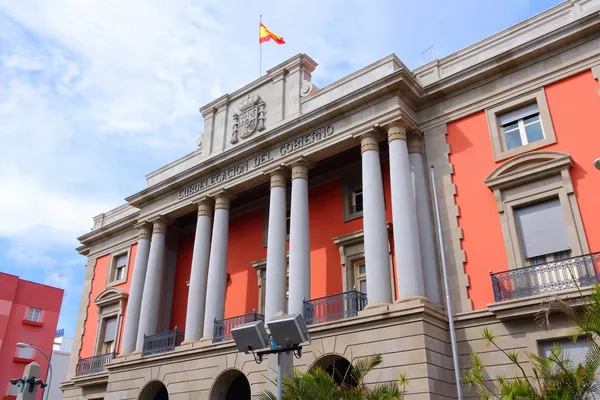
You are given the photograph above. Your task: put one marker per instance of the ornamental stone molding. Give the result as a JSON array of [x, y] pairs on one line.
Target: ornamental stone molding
[[414, 143], [159, 226], [396, 131], [278, 177], [300, 169], [205, 207], [369, 141], [223, 200], [250, 118], [144, 230]]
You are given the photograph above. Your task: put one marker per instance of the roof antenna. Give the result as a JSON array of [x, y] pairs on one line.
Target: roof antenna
[[432, 48], [59, 279]]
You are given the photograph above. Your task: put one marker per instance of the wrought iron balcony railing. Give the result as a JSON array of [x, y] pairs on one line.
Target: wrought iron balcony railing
[[331, 308], [544, 278], [222, 328], [162, 342], [92, 365]]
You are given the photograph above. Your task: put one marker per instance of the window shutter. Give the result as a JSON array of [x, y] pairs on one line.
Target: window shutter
[[121, 261], [110, 329], [518, 114], [25, 352], [542, 228]]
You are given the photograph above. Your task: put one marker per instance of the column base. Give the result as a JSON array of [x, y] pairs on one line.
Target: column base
[[188, 342], [205, 341], [412, 297], [374, 309]]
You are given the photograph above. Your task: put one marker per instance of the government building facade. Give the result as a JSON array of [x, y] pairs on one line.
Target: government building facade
[[320, 201]]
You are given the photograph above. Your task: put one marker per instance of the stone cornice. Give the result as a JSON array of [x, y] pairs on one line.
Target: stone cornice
[[517, 56], [107, 230], [396, 81]]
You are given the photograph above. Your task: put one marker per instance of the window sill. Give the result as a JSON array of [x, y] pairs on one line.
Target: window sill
[[32, 323], [23, 360], [115, 283], [353, 216], [504, 154]]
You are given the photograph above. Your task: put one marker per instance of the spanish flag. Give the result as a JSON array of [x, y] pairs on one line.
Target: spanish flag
[[264, 35]]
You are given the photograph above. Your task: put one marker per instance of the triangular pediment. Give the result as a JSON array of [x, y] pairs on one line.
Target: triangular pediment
[[527, 167]]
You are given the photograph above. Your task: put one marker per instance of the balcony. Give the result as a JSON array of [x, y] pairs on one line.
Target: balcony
[[222, 328], [332, 308], [91, 365], [162, 342], [569, 273]]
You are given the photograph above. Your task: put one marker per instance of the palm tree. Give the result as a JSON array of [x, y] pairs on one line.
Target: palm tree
[[554, 377], [318, 384]]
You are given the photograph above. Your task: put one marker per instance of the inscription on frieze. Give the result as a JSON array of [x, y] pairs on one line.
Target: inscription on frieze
[[257, 161]]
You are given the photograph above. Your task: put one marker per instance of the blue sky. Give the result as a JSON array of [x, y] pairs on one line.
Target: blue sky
[[96, 94]]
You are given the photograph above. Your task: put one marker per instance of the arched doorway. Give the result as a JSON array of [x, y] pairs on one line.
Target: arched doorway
[[336, 366], [155, 390], [231, 385]]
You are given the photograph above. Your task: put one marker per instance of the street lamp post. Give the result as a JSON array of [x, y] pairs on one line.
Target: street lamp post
[[49, 381]]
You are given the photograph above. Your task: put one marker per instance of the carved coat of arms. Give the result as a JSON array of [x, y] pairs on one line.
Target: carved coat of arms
[[249, 118]]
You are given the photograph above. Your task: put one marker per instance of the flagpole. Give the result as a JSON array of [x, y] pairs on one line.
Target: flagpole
[[448, 300], [260, 50]]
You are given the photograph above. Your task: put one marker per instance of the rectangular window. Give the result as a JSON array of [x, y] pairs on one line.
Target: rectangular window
[[360, 276], [577, 351], [34, 314], [542, 231], [357, 200], [110, 334], [120, 266], [25, 352], [263, 291], [521, 126], [13, 390]]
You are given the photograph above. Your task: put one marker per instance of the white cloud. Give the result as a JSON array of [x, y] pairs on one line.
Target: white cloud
[[95, 94]]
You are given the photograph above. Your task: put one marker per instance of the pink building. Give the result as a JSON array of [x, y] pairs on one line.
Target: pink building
[[29, 314]]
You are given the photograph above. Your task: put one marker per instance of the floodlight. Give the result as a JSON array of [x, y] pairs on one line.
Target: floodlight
[[289, 330], [597, 163], [23, 345], [251, 336]]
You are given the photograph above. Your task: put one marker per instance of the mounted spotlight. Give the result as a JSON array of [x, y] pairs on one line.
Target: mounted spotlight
[[597, 163]]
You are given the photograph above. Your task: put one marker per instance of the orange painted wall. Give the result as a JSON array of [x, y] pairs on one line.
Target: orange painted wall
[[91, 322], [574, 108], [125, 288], [182, 275], [246, 246], [98, 285]]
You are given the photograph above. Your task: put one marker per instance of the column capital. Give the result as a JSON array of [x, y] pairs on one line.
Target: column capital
[[144, 230], [300, 168], [159, 225], [222, 200], [370, 141], [205, 206], [396, 130], [414, 142], [278, 176]]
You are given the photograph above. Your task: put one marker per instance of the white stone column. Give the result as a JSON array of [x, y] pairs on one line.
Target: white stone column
[[299, 239], [276, 247], [407, 249], [194, 319], [217, 265], [429, 258], [134, 302], [152, 284], [379, 291]]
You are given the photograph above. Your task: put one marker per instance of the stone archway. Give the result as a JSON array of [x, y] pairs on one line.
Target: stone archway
[[154, 390], [231, 385], [336, 366]]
